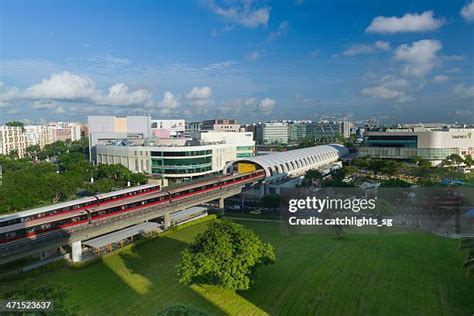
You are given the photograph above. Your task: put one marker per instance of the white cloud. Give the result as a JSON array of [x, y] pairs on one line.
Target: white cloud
[[440, 78], [44, 105], [464, 91], [63, 86], [419, 57], [407, 23], [66, 86], [364, 49], [381, 92], [382, 45], [13, 112], [199, 99], [266, 105], [120, 94], [245, 13], [467, 11], [281, 31], [168, 104], [4, 104], [248, 105], [385, 93], [199, 93], [392, 81]]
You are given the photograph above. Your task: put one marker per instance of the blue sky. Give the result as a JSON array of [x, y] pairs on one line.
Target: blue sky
[[250, 60]]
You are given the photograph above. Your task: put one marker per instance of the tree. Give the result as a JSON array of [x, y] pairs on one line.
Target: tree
[[226, 255], [181, 310], [454, 160], [16, 124], [420, 162], [313, 176], [307, 141], [32, 151], [394, 183], [270, 201], [468, 265], [13, 154]]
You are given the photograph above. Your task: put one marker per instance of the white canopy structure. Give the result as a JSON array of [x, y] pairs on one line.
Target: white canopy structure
[[294, 162]]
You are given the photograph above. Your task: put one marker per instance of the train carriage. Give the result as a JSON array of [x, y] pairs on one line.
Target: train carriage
[[34, 227], [87, 210], [40, 212], [128, 192]]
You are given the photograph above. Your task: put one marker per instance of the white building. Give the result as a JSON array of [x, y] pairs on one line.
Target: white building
[[12, 138], [61, 131], [221, 125], [182, 159], [269, 133], [40, 135], [168, 128], [433, 144], [104, 129]]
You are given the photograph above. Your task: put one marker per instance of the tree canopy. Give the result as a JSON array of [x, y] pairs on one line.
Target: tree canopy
[[226, 255], [35, 181]]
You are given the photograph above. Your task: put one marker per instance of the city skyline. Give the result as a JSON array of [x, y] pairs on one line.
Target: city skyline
[[251, 60]]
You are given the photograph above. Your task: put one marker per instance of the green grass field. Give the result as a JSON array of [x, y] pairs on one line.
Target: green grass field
[[383, 274]]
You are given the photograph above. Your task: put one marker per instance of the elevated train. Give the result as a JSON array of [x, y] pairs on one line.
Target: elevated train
[[76, 205], [114, 206]]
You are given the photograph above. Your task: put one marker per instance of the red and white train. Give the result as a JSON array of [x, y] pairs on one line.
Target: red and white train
[[87, 210]]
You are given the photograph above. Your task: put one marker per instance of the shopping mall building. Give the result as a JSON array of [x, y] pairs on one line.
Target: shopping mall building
[[178, 159], [433, 144]]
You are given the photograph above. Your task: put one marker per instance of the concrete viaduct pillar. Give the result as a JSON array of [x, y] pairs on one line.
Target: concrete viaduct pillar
[[76, 254], [167, 220], [221, 203]]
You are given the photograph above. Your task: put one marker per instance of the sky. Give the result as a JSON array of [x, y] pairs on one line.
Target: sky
[[395, 60]]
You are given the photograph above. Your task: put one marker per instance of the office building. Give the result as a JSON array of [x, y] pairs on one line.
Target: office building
[[106, 129], [433, 144], [324, 131], [178, 159], [297, 132], [221, 125], [168, 128], [273, 132], [192, 128]]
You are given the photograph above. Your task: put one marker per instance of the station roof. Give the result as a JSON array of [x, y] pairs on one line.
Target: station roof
[[298, 159], [119, 235]]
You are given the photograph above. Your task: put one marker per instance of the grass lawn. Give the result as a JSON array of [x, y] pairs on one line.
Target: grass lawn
[[385, 274]]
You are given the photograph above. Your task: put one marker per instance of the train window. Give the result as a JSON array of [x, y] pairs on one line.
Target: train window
[[46, 226]]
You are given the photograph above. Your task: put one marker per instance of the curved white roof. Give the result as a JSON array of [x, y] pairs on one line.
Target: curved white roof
[[293, 161]]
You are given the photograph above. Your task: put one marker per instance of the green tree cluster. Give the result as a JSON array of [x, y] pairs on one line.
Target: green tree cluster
[[35, 181], [226, 255]]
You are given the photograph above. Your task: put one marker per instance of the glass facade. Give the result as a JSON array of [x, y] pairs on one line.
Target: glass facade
[[181, 153], [244, 147], [181, 162], [400, 141], [244, 155], [407, 152], [324, 130]]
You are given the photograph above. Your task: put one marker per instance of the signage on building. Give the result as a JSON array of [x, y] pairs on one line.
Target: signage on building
[[468, 135]]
